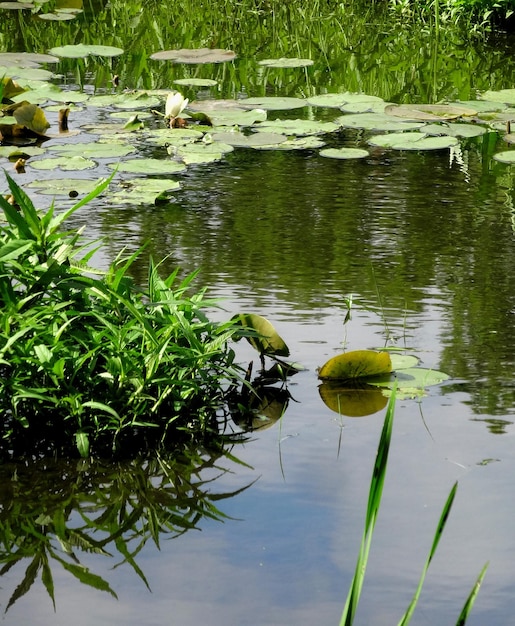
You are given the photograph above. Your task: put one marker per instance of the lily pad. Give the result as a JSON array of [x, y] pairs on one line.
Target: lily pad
[[286, 62], [144, 190], [195, 55], [28, 73], [240, 140], [272, 103], [356, 364], [95, 149], [173, 136], [338, 100], [68, 163], [480, 106], [149, 166], [237, 117], [506, 96], [299, 128], [26, 152], [454, 130], [138, 100], [200, 152], [429, 112], [58, 16], [310, 142], [64, 186], [508, 156], [352, 401], [364, 107], [196, 82], [412, 141], [411, 381], [376, 121], [344, 153], [32, 117], [26, 59], [81, 51], [268, 342]]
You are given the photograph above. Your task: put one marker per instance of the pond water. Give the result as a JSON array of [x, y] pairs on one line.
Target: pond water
[[424, 242]]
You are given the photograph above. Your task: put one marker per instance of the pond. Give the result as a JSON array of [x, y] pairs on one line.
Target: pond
[[418, 245]]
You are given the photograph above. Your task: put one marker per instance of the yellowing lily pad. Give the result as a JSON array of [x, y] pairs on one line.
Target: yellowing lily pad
[[195, 55], [267, 340], [356, 364], [32, 117]]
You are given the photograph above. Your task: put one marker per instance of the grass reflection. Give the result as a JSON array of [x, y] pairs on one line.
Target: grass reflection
[[55, 512]]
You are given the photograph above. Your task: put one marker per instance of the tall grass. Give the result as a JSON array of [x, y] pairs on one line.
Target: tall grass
[[99, 363], [374, 503]]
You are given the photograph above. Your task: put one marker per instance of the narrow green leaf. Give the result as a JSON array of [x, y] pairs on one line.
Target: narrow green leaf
[[27, 582], [472, 597], [88, 578], [82, 442]]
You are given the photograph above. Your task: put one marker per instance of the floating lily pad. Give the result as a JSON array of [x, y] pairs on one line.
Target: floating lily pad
[[26, 59], [81, 51], [237, 117], [376, 121], [286, 62], [143, 190], [509, 138], [364, 107], [352, 401], [480, 106], [508, 156], [344, 153], [310, 142], [149, 166], [216, 105], [454, 130], [28, 73], [411, 381], [272, 103], [506, 96], [26, 152], [337, 100], [58, 16], [356, 364], [300, 128], [249, 141], [195, 55], [173, 136], [201, 152], [95, 149], [403, 361], [429, 112], [138, 100], [68, 163], [412, 141], [196, 82], [16, 5], [128, 114], [64, 186]]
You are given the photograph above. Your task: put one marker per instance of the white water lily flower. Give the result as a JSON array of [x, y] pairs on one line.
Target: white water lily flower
[[175, 104]]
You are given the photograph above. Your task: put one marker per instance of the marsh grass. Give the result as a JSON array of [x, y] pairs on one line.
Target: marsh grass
[[374, 502], [96, 362]]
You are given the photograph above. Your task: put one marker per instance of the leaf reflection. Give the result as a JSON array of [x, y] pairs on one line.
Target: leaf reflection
[[52, 512]]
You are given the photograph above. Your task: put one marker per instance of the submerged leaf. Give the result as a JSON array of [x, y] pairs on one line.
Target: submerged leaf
[[356, 364]]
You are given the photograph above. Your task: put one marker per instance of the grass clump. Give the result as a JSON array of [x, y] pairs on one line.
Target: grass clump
[[96, 364]]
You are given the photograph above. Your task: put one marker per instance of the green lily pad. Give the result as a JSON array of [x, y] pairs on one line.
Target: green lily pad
[[286, 62], [143, 190], [344, 153], [508, 156], [454, 130], [209, 105], [16, 5], [240, 140], [149, 166], [310, 142], [299, 128], [338, 100], [506, 96], [138, 100], [237, 117], [403, 361], [356, 364], [28, 73], [95, 149], [196, 82], [376, 121], [480, 106], [412, 380], [81, 51], [126, 115], [26, 152], [26, 59], [509, 138], [68, 163], [63, 186], [173, 136], [364, 107], [194, 55], [200, 152], [58, 16], [412, 141], [272, 103]]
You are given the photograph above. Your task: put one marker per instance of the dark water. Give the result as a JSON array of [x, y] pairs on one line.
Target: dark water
[[425, 243]]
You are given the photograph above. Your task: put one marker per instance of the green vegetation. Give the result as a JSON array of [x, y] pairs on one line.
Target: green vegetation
[[374, 503], [97, 362]]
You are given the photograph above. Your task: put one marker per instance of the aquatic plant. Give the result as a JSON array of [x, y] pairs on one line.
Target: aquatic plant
[[374, 503], [96, 362]]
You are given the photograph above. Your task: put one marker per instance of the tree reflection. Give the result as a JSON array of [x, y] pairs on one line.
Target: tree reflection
[[54, 512]]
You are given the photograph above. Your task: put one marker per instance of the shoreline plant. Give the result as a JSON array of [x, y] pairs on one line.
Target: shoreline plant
[[96, 364]]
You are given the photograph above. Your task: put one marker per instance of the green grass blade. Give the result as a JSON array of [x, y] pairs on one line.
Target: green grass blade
[[439, 531], [374, 502], [472, 597]]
